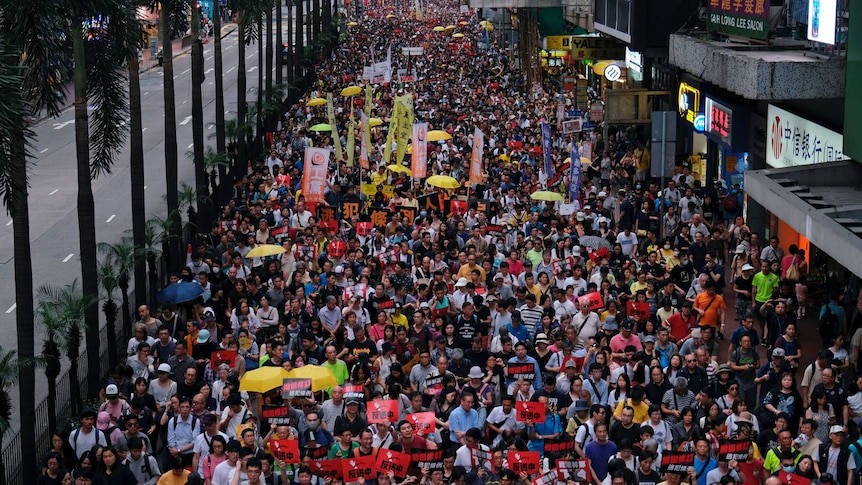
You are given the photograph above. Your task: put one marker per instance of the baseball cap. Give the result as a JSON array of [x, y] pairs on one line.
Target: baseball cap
[[164, 368], [580, 216], [461, 282], [628, 324], [778, 352], [339, 269], [203, 336], [111, 390], [571, 363], [836, 428], [209, 314], [541, 338], [650, 339], [741, 249], [747, 267]]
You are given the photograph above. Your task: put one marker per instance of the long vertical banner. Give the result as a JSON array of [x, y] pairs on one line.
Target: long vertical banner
[[546, 149], [336, 140], [390, 136], [420, 150], [405, 124], [363, 143], [351, 137], [476, 156], [314, 173], [575, 172]]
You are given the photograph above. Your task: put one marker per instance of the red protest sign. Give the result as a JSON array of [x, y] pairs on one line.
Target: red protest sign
[[524, 462], [220, 357], [393, 461], [285, 450], [530, 411], [562, 447], [296, 387], [599, 254], [577, 470], [733, 450], [319, 453], [359, 469], [676, 462], [364, 228], [422, 423], [354, 391], [593, 301], [637, 310], [430, 459], [478, 457], [326, 468], [792, 478], [549, 478], [380, 411]]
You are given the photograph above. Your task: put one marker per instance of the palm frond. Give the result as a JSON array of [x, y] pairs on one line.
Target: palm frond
[[108, 280], [106, 92], [186, 196], [69, 302], [13, 108]]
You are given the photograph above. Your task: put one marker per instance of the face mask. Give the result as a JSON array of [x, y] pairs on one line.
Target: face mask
[[313, 425], [667, 246], [789, 469], [423, 213], [500, 246], [684, 263], [676, 253]]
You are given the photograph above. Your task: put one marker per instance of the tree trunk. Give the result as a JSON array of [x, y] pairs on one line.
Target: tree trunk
[[290, 42], [24, 314], [172, 255], [315, 20], [299, 53], [74, 380], [269, 50], [126, 307], [136, 176], [241, 161], [86, 213], [279, 41], [221, 144], [309, 16], [259, 139], [110, 310], [153, 279], [201, 182]]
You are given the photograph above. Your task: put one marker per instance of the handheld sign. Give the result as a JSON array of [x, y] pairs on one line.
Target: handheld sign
[[244, 343], [422, 423], [434, 384], [285, 450], [478, 457], [792, 478], [354, 391], [393, 461], [733, 450], [577, 470], [521, 371], [676, 462], [524, 462], [593, 301], [530, 411], [380, 411], [559, 447], [296, 387], [638, 310], [319, 453], [220, 357], [277, 415], [430, 459], [549, 478], [599, 254], [358, 469], [327, 468]]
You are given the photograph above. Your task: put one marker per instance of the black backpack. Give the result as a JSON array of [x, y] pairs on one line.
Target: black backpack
[[827, 326]]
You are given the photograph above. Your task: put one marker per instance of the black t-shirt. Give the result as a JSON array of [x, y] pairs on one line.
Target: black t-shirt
[[682, 276], [556, 400], [618, 432], [357, 349], [650, 478], [656, 270], [743, 284], [467, 329]]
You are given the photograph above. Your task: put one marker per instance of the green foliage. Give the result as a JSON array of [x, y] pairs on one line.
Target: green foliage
[[12, 126]]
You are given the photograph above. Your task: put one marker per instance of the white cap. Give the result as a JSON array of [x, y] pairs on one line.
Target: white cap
[[339, 269], [576, 250], [461, 282], [603, 194], [111, 390], [164, 368], [747, 267], [580, 216]]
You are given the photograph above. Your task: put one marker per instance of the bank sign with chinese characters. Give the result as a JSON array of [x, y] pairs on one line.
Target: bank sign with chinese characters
[[743, 18], [793, 141]]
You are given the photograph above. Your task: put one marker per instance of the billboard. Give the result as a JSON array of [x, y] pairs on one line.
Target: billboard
[[749, 18]]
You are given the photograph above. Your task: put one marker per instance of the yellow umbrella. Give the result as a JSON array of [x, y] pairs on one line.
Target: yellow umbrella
[[439, 28], [451, 27], [437, 135], [486, 25], [546, 195], [316, 102], [457, 35], [351, 91], [263, 250], [586, 161], [505, 157], [352, 24], [443, 182], [321, 377], [321, 127], [390, 16], [463, 22], [263, 379], [375, 122], [599, 67], [399, 169]]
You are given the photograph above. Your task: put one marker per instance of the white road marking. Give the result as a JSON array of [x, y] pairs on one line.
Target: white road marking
[[185, 121], [59, 126], [146, 93], [69, 257], [145, 187], [231, 69], [209, 70], [183, 73], [44, 150], [185, 101], [111, 218], [143, 129], [53, 191], [12, 308], [210, 84], [252, 69], [249, 56], [9, 223], [190, 145], [208, 58]]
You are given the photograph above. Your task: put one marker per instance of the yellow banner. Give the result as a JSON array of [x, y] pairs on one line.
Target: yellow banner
[[389, 190], [390, 137], [336, 140], [405, 125], [351, 141], [368, 189]]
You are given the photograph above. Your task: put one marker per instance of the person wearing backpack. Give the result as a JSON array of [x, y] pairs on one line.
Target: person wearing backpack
[[204, 441], [182, 432], [87, 435], [143, 465], [832, 320]]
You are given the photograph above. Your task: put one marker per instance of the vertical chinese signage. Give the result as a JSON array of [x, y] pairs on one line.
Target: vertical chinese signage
[[719, 119], [792, 140], [744, 18]]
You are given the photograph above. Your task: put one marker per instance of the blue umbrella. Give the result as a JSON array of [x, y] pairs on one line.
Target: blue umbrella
[[180, 292]]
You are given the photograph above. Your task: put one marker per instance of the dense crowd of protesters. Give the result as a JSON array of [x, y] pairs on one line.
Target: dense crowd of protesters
[[648, 321]]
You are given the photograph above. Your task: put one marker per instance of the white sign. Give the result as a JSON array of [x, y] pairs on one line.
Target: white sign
[[412, 51], [634, 60], [792, 141], [572, 126], [613, 72], [821, 20]]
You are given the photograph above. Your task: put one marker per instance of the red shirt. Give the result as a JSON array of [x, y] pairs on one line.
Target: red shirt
[[753, 471], [680, 326]]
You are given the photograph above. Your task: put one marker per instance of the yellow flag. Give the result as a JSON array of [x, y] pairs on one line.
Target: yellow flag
[[405, 125], [351, 141], [390, 137], [366, 128], [336, 140]]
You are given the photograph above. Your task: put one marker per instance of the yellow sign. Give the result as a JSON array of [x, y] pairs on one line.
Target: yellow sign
[[389, 190], [244, 343], [368, 189], [689, 101], [558, 42], [595, 48]]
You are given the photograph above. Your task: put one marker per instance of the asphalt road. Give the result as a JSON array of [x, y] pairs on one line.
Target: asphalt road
[[53, 187]]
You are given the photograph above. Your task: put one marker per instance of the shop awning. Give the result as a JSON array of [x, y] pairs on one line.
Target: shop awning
[[822, 202]]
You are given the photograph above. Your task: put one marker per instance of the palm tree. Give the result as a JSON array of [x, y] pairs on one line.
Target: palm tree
[[32, 28], [221, 145], [279, 43], [55, 335], [198, 115], [9, 375], [299, 44], [121, 255], [108, 280], [161, 233], [214, 162], [69, 305]]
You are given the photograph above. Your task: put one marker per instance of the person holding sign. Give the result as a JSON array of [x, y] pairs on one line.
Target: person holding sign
[[550, 429]]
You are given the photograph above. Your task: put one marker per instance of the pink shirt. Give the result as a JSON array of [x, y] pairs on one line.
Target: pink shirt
[[619, 344]]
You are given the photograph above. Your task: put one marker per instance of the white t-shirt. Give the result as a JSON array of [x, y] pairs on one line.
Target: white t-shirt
[[629, 243], [81, 441]]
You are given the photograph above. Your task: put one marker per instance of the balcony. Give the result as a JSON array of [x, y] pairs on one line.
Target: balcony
[[783, 70]]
